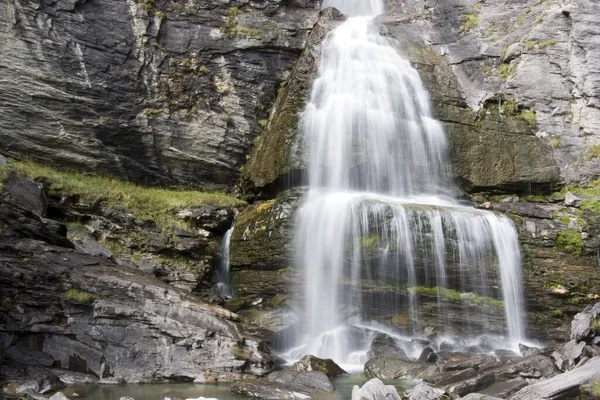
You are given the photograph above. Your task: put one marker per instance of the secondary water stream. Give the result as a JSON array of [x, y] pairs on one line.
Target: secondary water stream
[[378, 226]]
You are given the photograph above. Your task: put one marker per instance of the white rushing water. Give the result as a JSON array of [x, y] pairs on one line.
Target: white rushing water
[[377, 213], [223, 270]]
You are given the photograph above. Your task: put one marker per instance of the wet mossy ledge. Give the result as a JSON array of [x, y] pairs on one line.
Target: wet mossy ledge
[[146, 203]]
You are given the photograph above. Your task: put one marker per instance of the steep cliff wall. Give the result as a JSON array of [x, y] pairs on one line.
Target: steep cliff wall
[[152, 91]]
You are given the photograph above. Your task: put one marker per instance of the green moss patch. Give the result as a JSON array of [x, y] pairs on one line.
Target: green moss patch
[[79, 296], [571, 240]]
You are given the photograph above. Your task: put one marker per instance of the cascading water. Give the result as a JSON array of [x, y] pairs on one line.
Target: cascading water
[[223, 270], [377, 225]]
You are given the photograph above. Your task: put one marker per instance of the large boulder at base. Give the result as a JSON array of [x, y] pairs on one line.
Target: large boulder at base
[[286, 384], [563, 386], [312, 363], [374, 389], [384, 345]]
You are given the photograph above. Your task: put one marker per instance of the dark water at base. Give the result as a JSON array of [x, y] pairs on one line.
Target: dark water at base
[[343, 391]]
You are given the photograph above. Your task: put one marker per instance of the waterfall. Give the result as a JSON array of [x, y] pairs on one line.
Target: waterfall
[[223, 269], [377, 227]]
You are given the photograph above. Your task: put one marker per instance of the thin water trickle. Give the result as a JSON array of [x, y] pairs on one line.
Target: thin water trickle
[[377, 224], [223, 270]]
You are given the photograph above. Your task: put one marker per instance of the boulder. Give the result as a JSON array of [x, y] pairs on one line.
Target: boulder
[[563, 386], [312, 363], [374, 389], [27, 193], [398, 368], [425, 392], [384, 345], [428, 355], [43, 385], [586, 324], [286, 384], [214, 219], [572, 200], [59, 396]]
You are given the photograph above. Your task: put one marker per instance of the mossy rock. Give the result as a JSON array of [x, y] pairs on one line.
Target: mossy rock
[[263, 234]]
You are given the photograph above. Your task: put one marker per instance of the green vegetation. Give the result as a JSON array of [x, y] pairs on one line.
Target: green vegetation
[[232, 30], [150, 7], [370, 242], [145, 203], [541, 44], [592, 152], [529, 117], [469, 22], [555, 143], [596, 390], [6, 304], [79, 296], [453, 295], [571, 240], [506, 71], [5, 172]]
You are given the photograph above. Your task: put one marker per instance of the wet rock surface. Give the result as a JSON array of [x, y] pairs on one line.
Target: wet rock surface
[[312, 363]]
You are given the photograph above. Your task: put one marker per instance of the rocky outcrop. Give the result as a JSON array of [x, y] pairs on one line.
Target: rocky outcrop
[[67, 310], [285, 385], [278, 158], [152, 91]]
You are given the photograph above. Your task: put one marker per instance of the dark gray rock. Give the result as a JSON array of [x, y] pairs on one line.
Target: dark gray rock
[[84, 313], [563, 386], [398, 368], [165, 93], [581, 327], [43, 385], [568, 355], [428, 355], [528, 351], [312, 363], [27, 193], [213, 219], [504, 354], [384, 345], [375, 389]]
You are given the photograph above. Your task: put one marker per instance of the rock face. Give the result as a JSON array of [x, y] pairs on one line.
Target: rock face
[[64, 309], [152, 91]]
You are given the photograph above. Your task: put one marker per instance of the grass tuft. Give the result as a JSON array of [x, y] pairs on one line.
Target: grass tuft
[[79, 296], [469, 22], [145, 203]]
